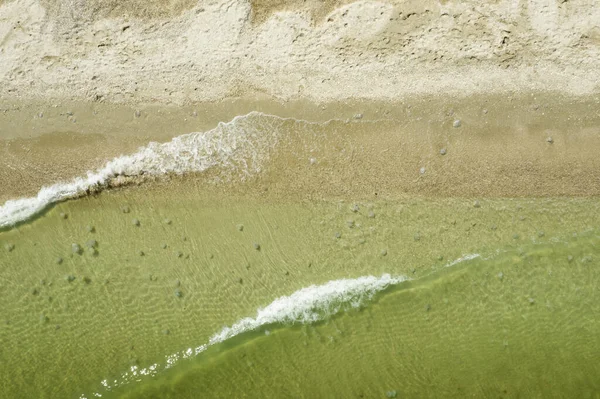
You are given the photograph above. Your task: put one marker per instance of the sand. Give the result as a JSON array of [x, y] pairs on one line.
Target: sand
[[184, 52]]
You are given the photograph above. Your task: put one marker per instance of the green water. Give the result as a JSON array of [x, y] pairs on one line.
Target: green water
[[450, 332]]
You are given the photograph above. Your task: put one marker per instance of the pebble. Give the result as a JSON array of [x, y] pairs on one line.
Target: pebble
[[338, 235], [476, 204], [313, 161], [456, 123], [384, 252], [76, 249], [358, 116], [355, 208], [422, 170], [549, 140], [125, 209], [493, 227], [240, 227], [350, 223], [41, 115], [91, 229], [417, 237], [443, 151], [63, 215], [371, 214], [137, 114], [135, 222], [257, 246]]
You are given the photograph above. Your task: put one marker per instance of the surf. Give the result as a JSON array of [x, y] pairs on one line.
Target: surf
[[238, 147]]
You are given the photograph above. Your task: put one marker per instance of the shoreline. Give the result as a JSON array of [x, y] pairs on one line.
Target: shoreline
[[501, 149]]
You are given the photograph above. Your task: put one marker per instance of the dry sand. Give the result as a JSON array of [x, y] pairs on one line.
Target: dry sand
[[73, 75]]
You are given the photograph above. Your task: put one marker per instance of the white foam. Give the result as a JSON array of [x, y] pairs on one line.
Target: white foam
[[240, 145]]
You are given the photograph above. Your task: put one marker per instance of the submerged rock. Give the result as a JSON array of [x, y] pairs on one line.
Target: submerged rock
[[91, 244], [257, 246], [9, 247], [91, 229], [240, 227], [76, 249], [136, 222], [391, 394]]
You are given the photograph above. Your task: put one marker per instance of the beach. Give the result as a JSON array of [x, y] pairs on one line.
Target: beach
[[282, 199]]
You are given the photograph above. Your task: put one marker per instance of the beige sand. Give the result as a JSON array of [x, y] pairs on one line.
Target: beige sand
[[182, 51]]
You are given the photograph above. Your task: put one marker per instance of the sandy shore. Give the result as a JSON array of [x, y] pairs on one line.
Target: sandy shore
[[506, 145], [85, 83]]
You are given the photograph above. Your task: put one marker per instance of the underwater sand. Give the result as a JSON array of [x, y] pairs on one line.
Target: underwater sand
[[449, 331]]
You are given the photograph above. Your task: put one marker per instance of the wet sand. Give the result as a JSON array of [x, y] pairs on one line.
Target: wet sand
[[506, 146]]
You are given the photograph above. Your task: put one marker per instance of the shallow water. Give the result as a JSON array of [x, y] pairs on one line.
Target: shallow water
[[346, 258], [450, 331]]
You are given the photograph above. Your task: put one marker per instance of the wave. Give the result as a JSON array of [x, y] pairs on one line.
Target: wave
[[307, 305], [239, 146]]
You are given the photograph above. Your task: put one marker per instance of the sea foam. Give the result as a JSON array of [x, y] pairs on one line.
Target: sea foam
[[239, 146]]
